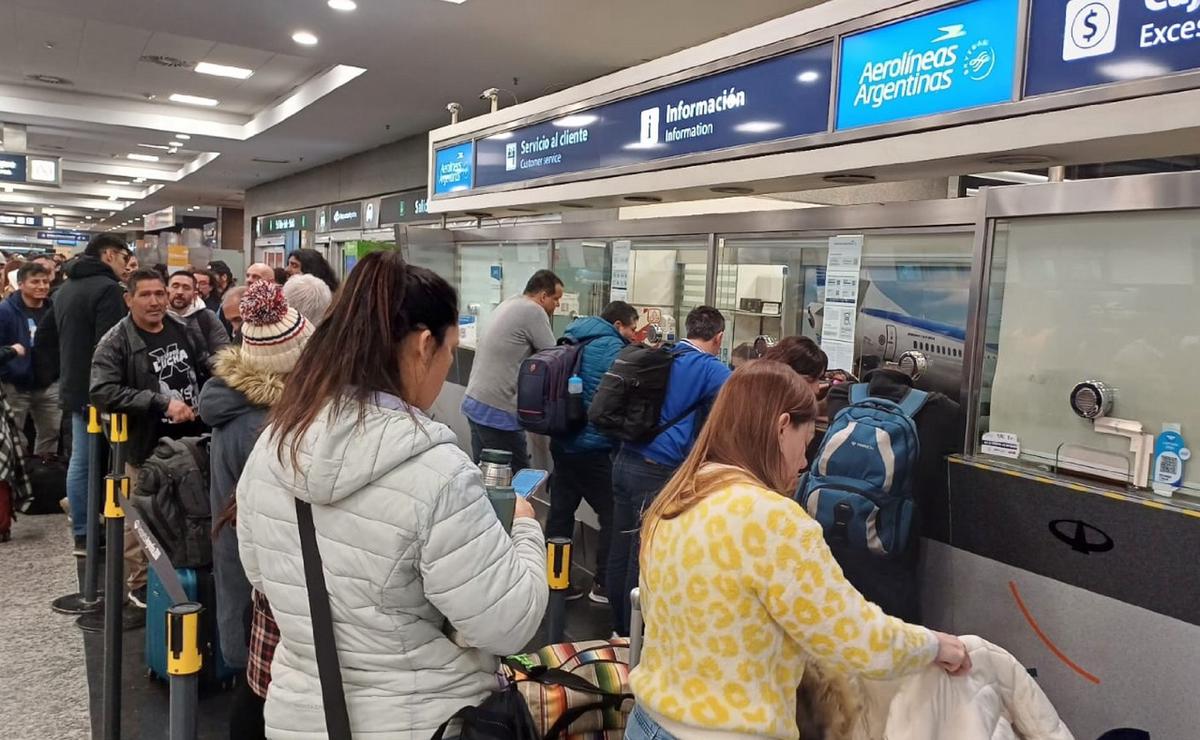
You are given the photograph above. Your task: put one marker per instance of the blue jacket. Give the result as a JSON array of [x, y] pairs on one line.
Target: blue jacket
[[14, 329], [598, 357], [694, 375]]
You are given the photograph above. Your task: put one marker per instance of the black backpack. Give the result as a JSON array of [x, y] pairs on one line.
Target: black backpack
[[628, 403], [543, 404], [172, 497]]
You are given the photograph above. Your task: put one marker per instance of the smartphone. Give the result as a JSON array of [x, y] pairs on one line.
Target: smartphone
[[526, 482]]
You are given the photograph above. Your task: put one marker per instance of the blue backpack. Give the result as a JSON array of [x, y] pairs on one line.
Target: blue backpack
[[859, 487]]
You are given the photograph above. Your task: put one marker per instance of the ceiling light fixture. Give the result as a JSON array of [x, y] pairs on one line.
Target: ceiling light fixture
[[456, 2], [193, 100], [118, 182], [224, 70], [142, 157], [139, 180], [577, 120], [343, 5], [154, 146], [808, 76], [182, 137], [304, 38]]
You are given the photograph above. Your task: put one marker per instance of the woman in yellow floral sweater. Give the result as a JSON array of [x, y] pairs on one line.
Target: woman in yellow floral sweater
[[738, 587]]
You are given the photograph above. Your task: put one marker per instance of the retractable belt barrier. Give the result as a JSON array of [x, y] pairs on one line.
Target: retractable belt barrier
[[184, 659], [558, 576], [87, 601]]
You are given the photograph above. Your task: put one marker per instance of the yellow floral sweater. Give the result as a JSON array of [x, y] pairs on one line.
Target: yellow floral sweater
[[735, 593]]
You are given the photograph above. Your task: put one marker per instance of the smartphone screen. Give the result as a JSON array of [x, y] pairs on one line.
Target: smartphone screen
[[526, 482]]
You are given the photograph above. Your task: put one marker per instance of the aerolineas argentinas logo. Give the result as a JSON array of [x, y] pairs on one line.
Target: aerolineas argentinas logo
[[919, 72]]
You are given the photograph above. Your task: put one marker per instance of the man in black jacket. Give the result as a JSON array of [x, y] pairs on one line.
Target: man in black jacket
[[89, 304], [893, 584], [150, 366]]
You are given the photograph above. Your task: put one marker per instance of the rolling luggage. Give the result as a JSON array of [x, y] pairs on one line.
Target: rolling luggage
[[198, 584], [48, 479]]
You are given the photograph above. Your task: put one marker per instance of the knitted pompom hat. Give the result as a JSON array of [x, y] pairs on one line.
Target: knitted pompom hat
[[273, 335]]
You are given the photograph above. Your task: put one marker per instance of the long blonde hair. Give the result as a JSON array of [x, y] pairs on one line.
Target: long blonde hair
[[741, 433]]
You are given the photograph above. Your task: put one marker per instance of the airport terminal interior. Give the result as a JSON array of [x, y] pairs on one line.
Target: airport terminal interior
[[368, 366]]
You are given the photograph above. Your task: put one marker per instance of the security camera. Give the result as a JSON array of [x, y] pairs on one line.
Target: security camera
[[491, 92], [454, 107]]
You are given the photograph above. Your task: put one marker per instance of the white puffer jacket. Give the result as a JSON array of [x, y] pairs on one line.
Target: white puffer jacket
[[997, 700], [409, 541]]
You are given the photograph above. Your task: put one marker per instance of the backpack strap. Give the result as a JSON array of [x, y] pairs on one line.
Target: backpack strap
[[329, 669], [913, 402], [860, 392]]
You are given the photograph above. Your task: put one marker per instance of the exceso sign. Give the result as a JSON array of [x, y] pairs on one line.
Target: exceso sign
[[1106, 41], [961, 57]]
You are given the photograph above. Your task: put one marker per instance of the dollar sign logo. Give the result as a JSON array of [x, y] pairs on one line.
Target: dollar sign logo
[[1089, 22]]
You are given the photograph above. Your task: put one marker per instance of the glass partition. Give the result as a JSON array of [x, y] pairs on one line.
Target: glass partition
[[912, 295], [585, 267], [489, 273], [1108, 297], [667, 278]]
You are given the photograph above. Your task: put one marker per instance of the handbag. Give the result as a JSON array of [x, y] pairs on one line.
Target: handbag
[[329, 669], [576, 690]]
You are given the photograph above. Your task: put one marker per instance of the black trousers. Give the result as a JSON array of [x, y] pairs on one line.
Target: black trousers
[[489, 438], [585, 476], [246, 714], [892, 584]]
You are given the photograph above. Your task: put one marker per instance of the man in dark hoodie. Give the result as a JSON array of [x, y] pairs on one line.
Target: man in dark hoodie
[[90, 303], [247, 381], [20, 316], [181, 297]]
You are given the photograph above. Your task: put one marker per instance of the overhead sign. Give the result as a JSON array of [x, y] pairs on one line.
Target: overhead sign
[[26, 220], [74, 236], [454, 168], [158, 220], [404, 207], [773, 99], [1096, 42], [949, 60], [285, 222], [32, 169], [12, 168], [346, 216]]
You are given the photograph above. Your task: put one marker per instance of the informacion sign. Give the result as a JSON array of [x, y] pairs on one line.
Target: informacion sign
[[346, 216], [453, 168], [1095, 42], [773, 99], [26, 220], [404, 207], [619, 287], [949, 60], [842, 270]]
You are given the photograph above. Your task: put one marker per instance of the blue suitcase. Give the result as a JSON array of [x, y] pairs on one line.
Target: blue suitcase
[[198, 584]]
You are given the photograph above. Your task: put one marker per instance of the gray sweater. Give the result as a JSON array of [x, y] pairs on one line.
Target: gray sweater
[[518, 328]]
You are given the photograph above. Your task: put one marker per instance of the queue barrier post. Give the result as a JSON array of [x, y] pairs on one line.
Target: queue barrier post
[[116, 492], [184, 662], [87, 601], [558, 576]]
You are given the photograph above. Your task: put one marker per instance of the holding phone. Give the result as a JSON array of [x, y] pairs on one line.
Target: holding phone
[[528, 481]]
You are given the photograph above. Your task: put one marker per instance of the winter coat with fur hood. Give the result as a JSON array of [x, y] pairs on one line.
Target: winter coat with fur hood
[[235, 404]]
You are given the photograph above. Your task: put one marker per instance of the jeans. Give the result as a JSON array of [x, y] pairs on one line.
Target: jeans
[[582, 476], [636, 481], [47, 414], [489, 438], [136, 562], [77, 474], [641, 727]]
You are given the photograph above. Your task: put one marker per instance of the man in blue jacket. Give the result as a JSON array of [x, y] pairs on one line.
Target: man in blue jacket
[[641, 470], [20, 315], [583, 463]]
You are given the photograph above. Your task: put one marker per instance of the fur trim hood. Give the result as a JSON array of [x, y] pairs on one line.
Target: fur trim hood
[[237, 388]]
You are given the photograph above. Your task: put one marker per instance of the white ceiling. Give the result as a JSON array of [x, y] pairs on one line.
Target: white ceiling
[[304, 105]]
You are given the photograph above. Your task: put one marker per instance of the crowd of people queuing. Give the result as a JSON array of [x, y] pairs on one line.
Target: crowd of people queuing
[[318, 396]]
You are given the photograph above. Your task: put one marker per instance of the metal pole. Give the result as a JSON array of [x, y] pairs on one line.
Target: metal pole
[[94, 441], [558, 575], [116, 488], [183, 666]]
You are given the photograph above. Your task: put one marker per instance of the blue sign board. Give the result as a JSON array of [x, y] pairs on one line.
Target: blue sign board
[[777, 98], [73, 236], [961, 57], [1081, 43], [453, 168]]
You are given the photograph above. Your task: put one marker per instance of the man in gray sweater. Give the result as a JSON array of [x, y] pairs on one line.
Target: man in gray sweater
[[518, 328]]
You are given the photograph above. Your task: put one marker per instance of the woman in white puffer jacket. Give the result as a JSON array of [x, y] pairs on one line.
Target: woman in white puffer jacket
[[412, 549]]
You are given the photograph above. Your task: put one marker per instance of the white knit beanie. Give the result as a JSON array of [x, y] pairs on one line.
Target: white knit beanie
[[273, 335]]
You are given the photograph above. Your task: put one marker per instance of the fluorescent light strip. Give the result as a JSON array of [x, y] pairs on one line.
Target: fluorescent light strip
[[193, 100], [142, 157], [304, 38], [343, 5], [224, 70], [154, 146], [182, 137]]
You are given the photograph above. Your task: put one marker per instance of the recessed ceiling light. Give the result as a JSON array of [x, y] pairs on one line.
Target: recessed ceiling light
[[139, 179], [193, 100], [224, 70], [154, 146], [456, 2], [142, 157], [343, 5], [182, 137], [176, 144], [304, 37], [808, 76], [172, 150], [118, 182]]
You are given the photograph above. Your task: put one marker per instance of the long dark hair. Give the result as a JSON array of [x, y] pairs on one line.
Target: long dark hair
[[353, 353], [312, 263]]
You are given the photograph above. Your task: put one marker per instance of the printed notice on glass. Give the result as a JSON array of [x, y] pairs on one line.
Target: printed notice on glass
[[620, 271], [841, 300]]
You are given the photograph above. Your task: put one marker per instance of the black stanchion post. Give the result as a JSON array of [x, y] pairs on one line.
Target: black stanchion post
[[87, 601], [558, 575], [183, 666], [116, 491]]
